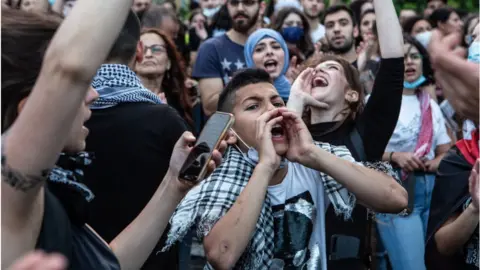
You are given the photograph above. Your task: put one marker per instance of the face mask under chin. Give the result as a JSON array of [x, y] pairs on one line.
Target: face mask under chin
[[252, 155]]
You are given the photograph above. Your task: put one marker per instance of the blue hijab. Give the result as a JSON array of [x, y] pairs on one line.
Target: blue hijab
[[281, 83]]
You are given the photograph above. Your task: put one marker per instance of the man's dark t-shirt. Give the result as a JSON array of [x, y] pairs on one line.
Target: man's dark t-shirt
[[132, 143]]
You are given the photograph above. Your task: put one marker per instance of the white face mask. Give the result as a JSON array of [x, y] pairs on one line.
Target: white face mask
[[209, 12], [252, 156]]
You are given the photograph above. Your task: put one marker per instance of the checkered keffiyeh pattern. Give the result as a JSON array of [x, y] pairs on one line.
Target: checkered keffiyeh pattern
[[205, 204], [118, 84]]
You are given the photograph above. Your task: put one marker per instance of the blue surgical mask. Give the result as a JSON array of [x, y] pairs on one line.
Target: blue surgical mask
[[469, 40], [474, 52], [292, 34], [209, 12], [415, 84]]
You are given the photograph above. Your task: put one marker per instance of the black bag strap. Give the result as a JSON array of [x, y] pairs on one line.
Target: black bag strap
[[370, 245], [358, 144]]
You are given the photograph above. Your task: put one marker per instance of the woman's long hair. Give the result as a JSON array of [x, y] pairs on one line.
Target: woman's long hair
[[25, 38], [305, 45], [173, 83]]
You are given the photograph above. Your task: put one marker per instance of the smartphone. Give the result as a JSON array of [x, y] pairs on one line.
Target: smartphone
[[195, 166]]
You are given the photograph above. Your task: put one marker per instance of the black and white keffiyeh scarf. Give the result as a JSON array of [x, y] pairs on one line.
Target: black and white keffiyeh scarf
[[206, 203], [118, 84], [65, 181]]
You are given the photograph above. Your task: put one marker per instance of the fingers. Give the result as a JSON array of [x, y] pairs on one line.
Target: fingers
[[418, 163], [216, 157], [222, 146], [408, 168], [262, 121], [210, 168], [231, 137], [40, 261], [187, 139], [305, 74], [473, 182]]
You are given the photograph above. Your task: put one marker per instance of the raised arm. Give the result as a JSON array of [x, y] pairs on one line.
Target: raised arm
[[210, 89], [389, 30], [208, 71], [379, 118], [228, 239], [375, 190], [35, 140]]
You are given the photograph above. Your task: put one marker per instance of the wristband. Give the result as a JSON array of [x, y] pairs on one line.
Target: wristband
[[390, 158]]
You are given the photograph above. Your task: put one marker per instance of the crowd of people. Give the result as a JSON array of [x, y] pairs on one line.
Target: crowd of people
[[355, 143]]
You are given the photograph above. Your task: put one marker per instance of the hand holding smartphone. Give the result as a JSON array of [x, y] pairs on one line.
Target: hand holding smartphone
[[195, 166]]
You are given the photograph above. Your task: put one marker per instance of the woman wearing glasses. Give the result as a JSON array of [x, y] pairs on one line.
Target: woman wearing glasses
[[162, 72], [417, 160]]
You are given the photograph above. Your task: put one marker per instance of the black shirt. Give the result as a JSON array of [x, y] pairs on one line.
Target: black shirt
[[375, 126], [132, 143], [82, 248]]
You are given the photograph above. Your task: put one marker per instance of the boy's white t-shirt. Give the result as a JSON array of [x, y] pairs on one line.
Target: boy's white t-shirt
[[404, 138], [299, 205]]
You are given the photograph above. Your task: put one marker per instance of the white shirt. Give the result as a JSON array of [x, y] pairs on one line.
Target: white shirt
[[405, 136], [318, 33], [299, 205]]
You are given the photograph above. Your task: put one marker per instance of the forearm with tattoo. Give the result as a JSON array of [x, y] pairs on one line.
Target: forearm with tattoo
[[19, 180]]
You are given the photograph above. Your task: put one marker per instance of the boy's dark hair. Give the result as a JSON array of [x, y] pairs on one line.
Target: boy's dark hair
[[240, 79], [338, 8], [125, 46]]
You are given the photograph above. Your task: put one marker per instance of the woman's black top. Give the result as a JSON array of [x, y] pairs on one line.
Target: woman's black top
[[375, 126], [78, 243]]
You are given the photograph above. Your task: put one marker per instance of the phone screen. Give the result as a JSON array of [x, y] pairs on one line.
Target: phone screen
[[195, 166]]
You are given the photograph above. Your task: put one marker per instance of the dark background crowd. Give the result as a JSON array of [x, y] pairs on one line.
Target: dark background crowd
[[390, 80]]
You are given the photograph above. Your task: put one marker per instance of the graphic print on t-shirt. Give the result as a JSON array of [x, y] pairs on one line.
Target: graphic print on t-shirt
[[293, 224]]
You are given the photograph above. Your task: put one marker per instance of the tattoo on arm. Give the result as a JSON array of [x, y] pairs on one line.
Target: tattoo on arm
[[19, 180]]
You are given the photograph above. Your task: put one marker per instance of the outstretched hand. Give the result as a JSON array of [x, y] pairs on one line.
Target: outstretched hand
[[182, 149]]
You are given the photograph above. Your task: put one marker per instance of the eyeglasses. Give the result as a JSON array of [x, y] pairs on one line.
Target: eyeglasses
[[413, 56], [247, 3], [155, 49]]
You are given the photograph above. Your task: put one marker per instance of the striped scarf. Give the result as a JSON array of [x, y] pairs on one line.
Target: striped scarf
[[117, 84]]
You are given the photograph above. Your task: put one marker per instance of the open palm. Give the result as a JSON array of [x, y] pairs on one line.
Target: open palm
[[300, 140]]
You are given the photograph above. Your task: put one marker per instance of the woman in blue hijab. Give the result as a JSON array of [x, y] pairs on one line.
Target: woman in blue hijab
[[266, 49]]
